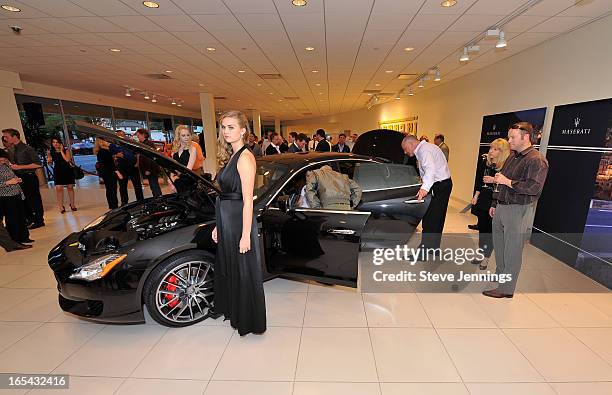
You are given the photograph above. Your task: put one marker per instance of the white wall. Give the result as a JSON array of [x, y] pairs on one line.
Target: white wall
[[571, 68], [9, 118]]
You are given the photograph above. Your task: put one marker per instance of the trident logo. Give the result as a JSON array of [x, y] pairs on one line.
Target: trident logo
[[576, 122]]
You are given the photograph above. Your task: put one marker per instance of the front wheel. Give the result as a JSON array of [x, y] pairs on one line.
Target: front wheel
[[179, 291]]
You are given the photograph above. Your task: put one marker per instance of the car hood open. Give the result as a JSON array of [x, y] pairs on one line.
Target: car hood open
[[142, 149]]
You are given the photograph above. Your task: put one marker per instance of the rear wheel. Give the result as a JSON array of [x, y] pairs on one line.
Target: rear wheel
[[179, 291]]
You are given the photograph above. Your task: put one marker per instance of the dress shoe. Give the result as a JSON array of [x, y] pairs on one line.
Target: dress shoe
[[28, 241], [36, 225], [20, 247], [473, 227], [493, 293]]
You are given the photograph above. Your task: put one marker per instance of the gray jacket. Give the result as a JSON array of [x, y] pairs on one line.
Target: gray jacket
[[326, 188]]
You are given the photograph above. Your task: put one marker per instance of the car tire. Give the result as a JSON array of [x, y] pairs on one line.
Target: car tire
[[179, 291]]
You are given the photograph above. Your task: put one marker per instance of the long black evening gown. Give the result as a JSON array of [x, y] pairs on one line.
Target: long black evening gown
[[239, 293]]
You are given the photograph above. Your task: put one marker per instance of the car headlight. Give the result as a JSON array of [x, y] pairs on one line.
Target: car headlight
[[95, 222], [98, 268]]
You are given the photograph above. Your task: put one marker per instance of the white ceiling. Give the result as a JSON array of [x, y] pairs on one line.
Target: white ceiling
[[66, 43]]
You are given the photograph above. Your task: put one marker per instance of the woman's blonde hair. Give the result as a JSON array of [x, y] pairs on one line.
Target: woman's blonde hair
[[224, 149], [176, 143], [504, 152], [98, 145]]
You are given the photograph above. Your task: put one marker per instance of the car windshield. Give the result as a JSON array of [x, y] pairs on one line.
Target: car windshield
[[268, 174]]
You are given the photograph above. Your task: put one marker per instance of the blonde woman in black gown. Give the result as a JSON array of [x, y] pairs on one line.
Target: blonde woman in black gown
[[239, 293]]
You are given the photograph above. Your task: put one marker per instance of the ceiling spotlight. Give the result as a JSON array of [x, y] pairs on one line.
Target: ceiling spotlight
[[317, 84], [315, 71], [421, 83], [408, 49], [114, 50], [410, 92], [180, 104], [397, 97], [501, 42], [437, 77], [146, 96], [241, 71], [150, 4], [10, 8], [388, 71], [211, 49], [309, 48], [127, 92], [168, 71], [376, 84], [448, 3], [154, 100], [299, 3], [173, 101], [464, 56]]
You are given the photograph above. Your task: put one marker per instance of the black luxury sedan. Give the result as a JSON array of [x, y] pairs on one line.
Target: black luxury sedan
[[159, 252]]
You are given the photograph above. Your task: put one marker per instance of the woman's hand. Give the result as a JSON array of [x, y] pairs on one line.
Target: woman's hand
[[492, 212], [245, 244], [13, 181], [214, 234], [474, 200], [488, 180]]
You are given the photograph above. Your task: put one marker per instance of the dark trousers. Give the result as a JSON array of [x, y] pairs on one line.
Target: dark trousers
[[154, 185], [130, 174], [31, 190], [14, 212], [433, 221], [5, 239], [110, 184], [485, 232]]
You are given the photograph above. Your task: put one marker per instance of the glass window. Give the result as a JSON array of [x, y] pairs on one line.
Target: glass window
[[181, 121], [161, 128], [198, 126], [129, 120], [267, 175], [41, 119], [373, 176], [82, 144]]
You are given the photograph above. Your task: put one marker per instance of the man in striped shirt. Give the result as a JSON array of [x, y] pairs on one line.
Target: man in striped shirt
[[520, 183]]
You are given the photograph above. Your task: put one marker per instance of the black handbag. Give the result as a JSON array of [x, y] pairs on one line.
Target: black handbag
[[78, 172]]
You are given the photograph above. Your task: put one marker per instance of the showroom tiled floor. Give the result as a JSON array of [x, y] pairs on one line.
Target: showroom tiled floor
[[321, 340]]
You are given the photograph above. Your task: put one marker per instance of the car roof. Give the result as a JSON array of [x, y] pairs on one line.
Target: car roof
[[301, 158]]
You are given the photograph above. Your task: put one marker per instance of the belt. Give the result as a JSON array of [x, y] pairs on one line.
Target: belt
[[230, 196]]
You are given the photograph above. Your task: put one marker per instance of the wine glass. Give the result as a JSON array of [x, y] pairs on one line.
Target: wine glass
[[496, 184]]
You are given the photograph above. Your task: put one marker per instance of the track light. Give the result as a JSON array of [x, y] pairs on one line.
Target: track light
[[437, 77], [127, 92], [501, 42], [410, 92], [464, 56], [421, 83], [146, 96], [173, 101], [154, 100], [397, 97]]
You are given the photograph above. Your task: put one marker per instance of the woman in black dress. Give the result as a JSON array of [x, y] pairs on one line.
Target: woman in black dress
[[490, 164], [63, 175], [107, 171], [239, 293]]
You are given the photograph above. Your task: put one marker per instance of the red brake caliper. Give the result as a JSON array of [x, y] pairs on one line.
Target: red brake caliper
[[172, 288]]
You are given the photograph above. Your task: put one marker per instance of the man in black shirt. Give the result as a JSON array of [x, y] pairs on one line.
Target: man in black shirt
[[322, 145], [25, 161], [274, 146], [341, 146]]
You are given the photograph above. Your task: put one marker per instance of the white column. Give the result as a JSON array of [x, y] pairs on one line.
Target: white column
[[9, 113], [277, 127], [257, 123], [207, 107]]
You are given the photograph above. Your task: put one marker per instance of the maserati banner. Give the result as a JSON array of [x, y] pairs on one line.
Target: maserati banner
[[580, 177]]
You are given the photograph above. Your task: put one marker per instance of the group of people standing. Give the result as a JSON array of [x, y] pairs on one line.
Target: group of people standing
[[117, 166], [274, 143], [510, 179]]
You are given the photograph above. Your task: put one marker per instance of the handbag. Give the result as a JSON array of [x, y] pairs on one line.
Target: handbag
[[77, 171]]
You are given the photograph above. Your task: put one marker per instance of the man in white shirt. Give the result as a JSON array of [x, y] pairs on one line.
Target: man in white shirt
[[436, 178]]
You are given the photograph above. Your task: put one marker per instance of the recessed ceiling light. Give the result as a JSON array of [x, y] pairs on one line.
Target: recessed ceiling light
[[241, 71], [315, 71], [270, 93], [114, 50], [258, 84], [201, 84], [388, 71], [211, 49], [320, 93], [168, 71], [150, 4], [317, 84], [376, 84], [309, 48], [448, 3], [10, 8], [408, 49], [299, 3]]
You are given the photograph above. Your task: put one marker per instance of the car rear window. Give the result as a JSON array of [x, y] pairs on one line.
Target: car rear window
[[374, 176]]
